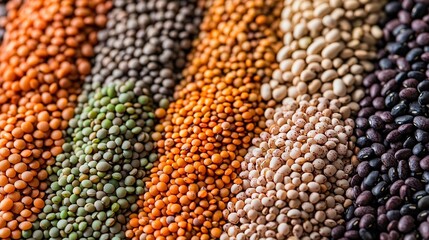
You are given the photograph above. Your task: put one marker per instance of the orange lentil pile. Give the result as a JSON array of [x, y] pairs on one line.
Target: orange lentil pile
[[44, 56], [208, 128]]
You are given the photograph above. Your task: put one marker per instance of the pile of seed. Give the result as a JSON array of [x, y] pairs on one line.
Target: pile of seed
[[140, 52], [101, 171], [42, 61], [295, 174], [211, 123], [147, 42], [328, 46], [390, 188]]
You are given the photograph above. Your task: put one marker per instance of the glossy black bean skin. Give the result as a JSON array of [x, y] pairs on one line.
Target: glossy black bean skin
[[394, 179]]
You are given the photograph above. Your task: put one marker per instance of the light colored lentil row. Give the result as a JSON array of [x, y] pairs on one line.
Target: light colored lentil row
[[295, 175], [44, 57], [209, 126], [109, 147]]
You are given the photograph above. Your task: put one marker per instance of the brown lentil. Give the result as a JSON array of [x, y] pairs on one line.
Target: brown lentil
[[209, 126], [43, 58]]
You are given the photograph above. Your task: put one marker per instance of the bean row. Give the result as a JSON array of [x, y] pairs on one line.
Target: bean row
[[296, 173], [109, 146], [209, 126], [390, 188], [43, 59]]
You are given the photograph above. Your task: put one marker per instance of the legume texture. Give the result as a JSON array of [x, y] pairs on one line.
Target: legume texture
[[210, 124], [391, 183], [43, 59], [296, 173], [109, 147]]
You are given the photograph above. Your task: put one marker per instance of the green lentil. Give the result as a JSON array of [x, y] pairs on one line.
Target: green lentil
[[95, 179]]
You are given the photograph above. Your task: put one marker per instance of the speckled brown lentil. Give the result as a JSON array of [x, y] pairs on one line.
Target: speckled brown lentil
[[295, 174]]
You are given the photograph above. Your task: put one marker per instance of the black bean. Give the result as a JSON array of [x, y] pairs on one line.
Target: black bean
[[366, 153], [419, 10], [404, 119], [393, 136], [379, 190], [391, 99], [365, 234], [388, 159], [405, 192], [386, 75], [338, 232], [393, 225], [423, 86], [406, 224], [392, 8], [403, 154], [352, 234], [386, 63], [370, 180], [421, 136], [410, 142], [423, 203], [409, 209], [419, 150], [349, 213], [393, 132], [378, 149], [403, 171], [424, 98], [413, 55], [424, 230], [362, 210], [414, 164], [382, 221], [394, 188], [352, 224], [363, 169], [424, 163], [364, 198], [416, 109], [375, 163], [417, 75], [399, 110], [393, 215], [393, 203], [414, 184], [393, 174]]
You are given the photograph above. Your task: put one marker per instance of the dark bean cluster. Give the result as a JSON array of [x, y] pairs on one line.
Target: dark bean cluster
[[391, 185], [146, 42]]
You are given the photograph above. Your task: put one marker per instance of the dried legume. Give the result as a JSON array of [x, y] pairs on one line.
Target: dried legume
[[295, 174], [328, 47], [43, 59], [147, 42], [391, 183], [103, 173], [100, 174], [211, 123]]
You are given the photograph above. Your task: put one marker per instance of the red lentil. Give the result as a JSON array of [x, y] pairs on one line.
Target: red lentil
[[44, 56], [209, 127]]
